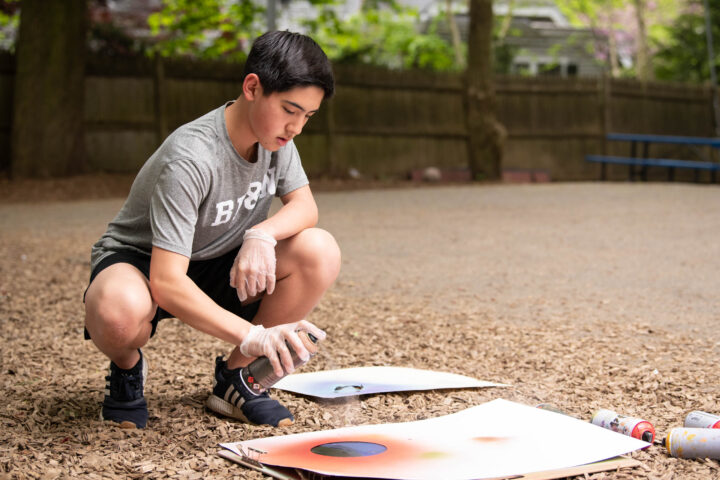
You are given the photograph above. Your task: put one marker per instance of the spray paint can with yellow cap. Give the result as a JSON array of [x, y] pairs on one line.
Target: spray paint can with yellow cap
[[693, 442], [630, 426], [698, 419]]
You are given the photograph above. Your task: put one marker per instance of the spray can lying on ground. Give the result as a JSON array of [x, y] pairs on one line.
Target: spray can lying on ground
[[693, 442], [698, 419], [259, 375], [630, 426]]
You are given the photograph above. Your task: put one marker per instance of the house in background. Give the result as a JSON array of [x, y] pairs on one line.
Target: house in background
[[546, 44], [541, 39]]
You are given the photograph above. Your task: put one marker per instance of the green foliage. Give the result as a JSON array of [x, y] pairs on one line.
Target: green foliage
[[589, 12], [9, 21], [503, 53], [684, 55], [206, 28], [384, 34]]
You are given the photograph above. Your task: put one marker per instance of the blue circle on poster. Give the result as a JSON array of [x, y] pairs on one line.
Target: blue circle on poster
[[348, 449]]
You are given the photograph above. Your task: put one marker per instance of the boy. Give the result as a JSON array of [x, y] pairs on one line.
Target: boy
[[194, 240]]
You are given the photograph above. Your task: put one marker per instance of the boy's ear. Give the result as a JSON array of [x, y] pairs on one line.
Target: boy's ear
[[251, 87]]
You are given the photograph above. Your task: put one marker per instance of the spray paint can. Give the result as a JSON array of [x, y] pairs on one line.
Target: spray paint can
[[698, 419], [259, 374], [693, 442], [630, 426]]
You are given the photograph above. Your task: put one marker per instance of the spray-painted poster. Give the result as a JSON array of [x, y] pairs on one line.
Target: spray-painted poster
[[496, 439]]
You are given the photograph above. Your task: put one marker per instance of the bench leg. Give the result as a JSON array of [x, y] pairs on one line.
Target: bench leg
[[671, 174], [603, 171]]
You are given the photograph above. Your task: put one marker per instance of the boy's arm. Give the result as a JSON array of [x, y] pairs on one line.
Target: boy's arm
[[175, 292], [299, 211], [254, 267]]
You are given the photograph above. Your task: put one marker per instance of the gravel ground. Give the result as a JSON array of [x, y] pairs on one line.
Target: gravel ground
[[582, 295]]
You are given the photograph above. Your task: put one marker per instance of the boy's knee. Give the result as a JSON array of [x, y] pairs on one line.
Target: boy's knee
[[117, 316], [321, 252]]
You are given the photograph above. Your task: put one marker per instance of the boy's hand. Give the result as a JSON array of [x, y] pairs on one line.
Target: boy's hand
[[254, 267], [270, 342]]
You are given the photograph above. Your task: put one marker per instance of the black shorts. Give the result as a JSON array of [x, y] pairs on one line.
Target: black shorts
[[212, 276]]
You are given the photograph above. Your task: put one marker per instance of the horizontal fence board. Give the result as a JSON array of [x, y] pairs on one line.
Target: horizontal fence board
[[418, 111], [187, 99], [315, 154], [372, 77], [119, 99], [400, 132], [119, 151]]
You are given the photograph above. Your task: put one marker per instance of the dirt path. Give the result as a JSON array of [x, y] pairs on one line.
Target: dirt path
[[644, 253]]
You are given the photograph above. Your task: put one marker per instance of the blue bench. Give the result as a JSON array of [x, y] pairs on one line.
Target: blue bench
[[634, 161], [670, 164]]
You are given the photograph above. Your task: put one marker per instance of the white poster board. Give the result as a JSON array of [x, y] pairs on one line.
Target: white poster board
[[367, 380]]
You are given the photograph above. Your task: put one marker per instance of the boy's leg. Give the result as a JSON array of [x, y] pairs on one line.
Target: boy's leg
[[118, 313], [118, 317], [307, 264]]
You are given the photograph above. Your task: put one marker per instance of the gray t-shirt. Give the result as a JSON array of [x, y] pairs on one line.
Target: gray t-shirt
[[196, 195]]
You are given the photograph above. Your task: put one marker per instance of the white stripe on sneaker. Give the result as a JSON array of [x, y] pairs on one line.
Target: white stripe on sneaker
[[228, 392]]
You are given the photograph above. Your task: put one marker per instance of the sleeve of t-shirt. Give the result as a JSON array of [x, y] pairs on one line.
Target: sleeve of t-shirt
[[176, 198], [291, 174]]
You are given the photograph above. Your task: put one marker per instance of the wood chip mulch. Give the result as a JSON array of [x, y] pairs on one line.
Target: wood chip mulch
[[52, 380]]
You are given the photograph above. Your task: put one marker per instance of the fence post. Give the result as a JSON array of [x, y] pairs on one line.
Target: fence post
[[159, 100]]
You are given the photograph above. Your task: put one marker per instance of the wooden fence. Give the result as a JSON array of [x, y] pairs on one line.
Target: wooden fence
[[383, 123]]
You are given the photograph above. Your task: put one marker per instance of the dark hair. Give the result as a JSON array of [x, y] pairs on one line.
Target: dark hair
[[285, 60]]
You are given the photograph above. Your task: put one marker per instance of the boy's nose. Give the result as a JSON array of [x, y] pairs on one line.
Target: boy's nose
[[294, 128]]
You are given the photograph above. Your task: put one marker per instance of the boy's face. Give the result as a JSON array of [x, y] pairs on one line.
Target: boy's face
[[276, 118]]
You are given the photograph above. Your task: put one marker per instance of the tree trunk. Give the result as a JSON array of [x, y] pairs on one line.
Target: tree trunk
[[644, 70], [48, 101], [506, 21], [454, 35], [612, 48], [486, 134]]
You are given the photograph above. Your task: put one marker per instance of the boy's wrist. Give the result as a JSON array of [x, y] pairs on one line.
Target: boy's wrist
[[259, 234]]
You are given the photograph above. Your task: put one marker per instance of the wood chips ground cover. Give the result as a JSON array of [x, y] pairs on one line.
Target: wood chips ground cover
[[585, 296]]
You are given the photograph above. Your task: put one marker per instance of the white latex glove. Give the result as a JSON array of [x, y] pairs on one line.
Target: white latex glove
[[270, 342], [254, 268]]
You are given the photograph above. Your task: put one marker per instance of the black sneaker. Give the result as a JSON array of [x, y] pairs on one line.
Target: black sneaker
[[232, 398], [124, 402]]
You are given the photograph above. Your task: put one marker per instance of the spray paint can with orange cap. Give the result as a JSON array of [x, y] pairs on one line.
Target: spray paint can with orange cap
[[630, 426], [698, 419]]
